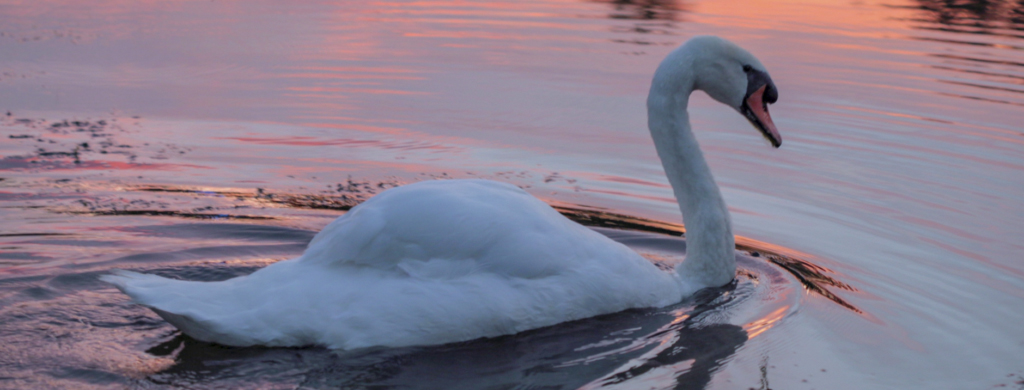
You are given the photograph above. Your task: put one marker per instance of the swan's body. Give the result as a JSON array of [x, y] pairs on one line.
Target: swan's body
[[425, 263], [444, 261]]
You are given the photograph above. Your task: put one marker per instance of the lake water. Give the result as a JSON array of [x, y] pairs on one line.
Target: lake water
[[205, 139]]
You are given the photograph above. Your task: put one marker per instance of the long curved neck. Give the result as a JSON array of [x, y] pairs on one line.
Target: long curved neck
[[710, 244]]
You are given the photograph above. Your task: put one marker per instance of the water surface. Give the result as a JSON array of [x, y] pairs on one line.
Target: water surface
[[203, 140]]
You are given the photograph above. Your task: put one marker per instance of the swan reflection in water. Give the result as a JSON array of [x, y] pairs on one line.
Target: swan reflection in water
[[680, 348]]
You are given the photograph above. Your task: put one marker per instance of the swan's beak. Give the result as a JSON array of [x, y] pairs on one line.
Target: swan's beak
[[755, 108]]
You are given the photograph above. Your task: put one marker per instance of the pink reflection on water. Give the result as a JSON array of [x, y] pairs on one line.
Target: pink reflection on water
[[34, 163], [618, 179], [624, 194], [327, 165], [383, 144], [364, 128], [349, 90]]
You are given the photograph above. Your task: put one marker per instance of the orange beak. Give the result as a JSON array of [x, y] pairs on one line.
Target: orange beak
[[756, 111]]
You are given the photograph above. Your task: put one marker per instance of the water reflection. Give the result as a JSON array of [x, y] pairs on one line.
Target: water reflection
[[686, 356], [650, 17], [977, 48], [682, 354], [646, 9], [975, 13]]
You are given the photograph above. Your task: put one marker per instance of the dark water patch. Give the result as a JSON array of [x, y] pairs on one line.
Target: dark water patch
[[79, 126], [22, 256], [642, 239], [172, 213], [15, 196], [32, 234], [979, 60], [196, 362], [978, 32], [341, 196], [85, 145], [669, 10], [63, 163], [980, 39], [221, 231], [648, 19], [975, 13], [44, 153], [76, 281], [210, 272], [39, 293], [184, 190], [78, 243], [604, 219], [707, 347], [12, 282], [814, 278], [341, 203]]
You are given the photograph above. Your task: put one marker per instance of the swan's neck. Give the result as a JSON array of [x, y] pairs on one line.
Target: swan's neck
[[709, 241]]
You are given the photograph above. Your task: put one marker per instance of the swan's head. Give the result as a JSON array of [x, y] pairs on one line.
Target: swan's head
[[733, 76]]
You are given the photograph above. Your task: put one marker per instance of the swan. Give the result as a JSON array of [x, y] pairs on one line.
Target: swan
[[443, 261]]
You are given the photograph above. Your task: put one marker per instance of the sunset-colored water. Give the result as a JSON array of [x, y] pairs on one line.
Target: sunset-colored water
[[203, 140]]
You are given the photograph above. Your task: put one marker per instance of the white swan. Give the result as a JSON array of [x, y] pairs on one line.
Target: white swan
[[443, 261]]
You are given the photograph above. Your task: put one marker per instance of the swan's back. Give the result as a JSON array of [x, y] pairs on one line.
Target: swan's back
[[460, 226], [427, 263]]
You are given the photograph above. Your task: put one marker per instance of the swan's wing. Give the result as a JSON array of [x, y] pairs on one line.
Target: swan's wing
[[454, 227]]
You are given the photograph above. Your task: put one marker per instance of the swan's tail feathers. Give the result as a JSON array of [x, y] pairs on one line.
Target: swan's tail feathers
[[178, 302], [128, 281]]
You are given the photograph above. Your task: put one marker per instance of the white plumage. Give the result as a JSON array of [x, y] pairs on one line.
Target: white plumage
[[426, 263]]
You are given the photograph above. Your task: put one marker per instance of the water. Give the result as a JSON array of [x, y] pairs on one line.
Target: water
[[213, 138]]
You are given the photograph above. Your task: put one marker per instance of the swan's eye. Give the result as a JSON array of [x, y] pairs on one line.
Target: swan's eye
[[747, 68]]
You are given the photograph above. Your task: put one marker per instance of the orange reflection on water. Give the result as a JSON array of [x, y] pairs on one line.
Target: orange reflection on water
[[825, 16], [762, 325], [518, 7], [750, 243]]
